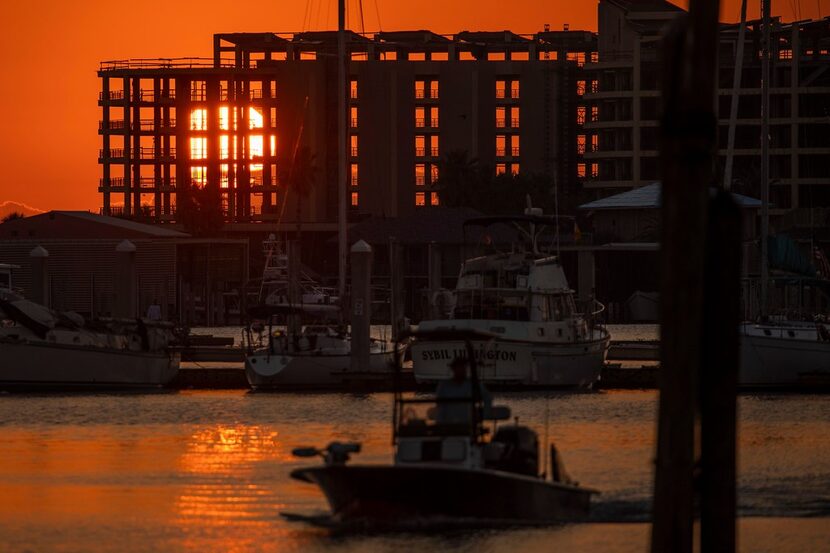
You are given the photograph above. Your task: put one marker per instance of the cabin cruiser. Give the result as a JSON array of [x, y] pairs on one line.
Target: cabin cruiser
[[523, 297], [42, 348], [447, 469], [309, 356]]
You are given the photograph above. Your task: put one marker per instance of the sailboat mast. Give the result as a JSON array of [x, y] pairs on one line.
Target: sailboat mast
[[341, 149], [765, 79]]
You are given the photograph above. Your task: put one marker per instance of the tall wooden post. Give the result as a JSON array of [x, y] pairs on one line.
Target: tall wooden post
[[719, 376], [687, 144]]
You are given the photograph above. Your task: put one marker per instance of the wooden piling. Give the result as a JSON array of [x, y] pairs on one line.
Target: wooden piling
[[688, 130], [719, 376]]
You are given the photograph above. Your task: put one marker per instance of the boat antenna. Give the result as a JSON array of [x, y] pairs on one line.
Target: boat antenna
[[546, 447], [341, 150], [556, 213], [765, 77], [733, 109]]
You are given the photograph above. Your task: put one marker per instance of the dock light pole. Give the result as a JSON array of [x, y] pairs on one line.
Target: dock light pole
[[361, 304]]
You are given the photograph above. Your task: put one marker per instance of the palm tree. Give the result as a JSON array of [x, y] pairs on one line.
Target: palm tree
[[299, 180], [459, 179]]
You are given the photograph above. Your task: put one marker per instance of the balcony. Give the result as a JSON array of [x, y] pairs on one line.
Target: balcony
[[113, 153]]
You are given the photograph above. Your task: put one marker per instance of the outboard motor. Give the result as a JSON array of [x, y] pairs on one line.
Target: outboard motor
[[520, 452]]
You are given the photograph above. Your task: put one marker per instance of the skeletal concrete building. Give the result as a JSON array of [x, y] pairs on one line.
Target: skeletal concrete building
[[237, 122], [623, 109]]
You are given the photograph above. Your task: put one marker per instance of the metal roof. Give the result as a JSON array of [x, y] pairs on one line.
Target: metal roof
[[648, 197]]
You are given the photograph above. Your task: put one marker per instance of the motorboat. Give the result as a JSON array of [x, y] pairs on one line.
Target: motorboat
[[42, 348], [522, 296], [785, 354], [453, 463], [307, 356]]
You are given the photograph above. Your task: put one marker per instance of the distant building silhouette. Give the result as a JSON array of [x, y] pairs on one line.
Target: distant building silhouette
[[623, 111]]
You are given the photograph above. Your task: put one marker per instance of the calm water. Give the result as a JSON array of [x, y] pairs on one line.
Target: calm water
[[208, 471]]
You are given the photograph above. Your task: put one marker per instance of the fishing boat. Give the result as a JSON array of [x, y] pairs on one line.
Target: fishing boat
[[523, 297], [453, 464], [41, 348], [307, 356]]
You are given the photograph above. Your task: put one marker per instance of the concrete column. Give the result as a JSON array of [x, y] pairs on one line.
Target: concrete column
[[361, 302], [124, 285], [39, 262], [586, 275]]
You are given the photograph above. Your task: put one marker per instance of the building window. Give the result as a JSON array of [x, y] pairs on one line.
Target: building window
[[353, 117], [433, 174], [501, 145], [501, 168], [420, 89], [433, 145], [580, 144], [433, 198], [420, 174], [420, 145], [514, 169], [353, 89], [580, 115], [355, 199], [501, 117], [353, 175], [514, 117], [501, 87], [580, 170], [420, 199], [353, 145], [420, 116], [514, 145]]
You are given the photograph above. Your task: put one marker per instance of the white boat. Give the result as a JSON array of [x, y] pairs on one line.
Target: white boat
[[778, 354], [316, 357], [310, 356], [784, 354], [523, 298], [41, 348]]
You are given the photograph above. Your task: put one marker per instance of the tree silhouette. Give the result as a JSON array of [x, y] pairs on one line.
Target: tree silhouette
[[12, 216], [299, 180], [200, 211]]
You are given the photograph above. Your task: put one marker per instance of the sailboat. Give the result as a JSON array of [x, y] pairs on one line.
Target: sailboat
[[778, 353], [311, 356]]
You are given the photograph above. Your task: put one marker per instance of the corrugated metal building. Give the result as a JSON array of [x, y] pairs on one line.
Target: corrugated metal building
[[81, 262]]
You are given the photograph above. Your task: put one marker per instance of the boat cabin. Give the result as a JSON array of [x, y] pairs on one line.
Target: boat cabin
[[513, 287]]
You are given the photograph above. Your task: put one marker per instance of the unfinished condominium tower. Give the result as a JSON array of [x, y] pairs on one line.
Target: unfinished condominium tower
[[240, 123]]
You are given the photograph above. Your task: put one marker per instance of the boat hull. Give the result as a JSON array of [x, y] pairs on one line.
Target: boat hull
[[526, 364], [400, 493], [30, 365], [781, 361], [266, 371]]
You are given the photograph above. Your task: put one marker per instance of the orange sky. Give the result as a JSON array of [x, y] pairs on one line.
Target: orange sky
[[50, 51]]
